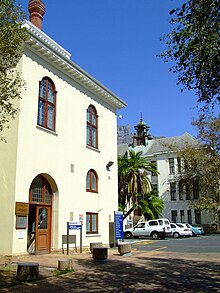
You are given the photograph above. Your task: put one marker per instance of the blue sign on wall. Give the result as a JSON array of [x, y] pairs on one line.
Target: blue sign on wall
[[118, 217], [75, 226]]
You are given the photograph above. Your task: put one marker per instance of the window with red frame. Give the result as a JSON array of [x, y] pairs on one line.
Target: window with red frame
[[47, 104], [91, 223], [40, 191], [92, 181], [92, 127]]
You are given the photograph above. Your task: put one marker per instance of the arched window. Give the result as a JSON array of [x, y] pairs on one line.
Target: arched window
[[46, 104], [92, 181], [92, 127], [40, 191]]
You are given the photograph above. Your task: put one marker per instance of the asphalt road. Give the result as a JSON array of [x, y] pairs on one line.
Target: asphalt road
[[199, 244]]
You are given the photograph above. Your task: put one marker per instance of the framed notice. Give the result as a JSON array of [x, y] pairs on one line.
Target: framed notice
[[21, 222], [21, 208]]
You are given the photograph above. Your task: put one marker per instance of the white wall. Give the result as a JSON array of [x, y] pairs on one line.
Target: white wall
[[44, 152]]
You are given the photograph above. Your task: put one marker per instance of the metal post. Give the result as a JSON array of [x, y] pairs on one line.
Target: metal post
[[114, 230], [67, 238], [81, 240]]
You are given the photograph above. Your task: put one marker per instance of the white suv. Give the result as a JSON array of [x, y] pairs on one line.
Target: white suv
[[156, 229]]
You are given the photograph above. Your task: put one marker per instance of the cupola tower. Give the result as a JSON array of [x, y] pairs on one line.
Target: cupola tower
[[142, 135]]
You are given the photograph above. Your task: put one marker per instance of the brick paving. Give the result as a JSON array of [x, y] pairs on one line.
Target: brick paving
[[154, 271]]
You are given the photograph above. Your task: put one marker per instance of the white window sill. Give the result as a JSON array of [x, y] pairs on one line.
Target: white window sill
[[92, 148], [46, 130], [93, 235]]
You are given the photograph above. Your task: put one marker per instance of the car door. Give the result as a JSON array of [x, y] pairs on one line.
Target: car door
[[173, 227], [139, 230]]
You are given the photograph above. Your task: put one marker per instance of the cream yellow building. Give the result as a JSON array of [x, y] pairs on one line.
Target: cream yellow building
[[54, 167]]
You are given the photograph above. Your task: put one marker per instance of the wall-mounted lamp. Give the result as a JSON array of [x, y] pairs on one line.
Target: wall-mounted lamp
[[110, 163]]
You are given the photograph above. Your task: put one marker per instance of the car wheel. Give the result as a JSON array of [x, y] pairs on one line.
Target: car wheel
[[176, 235], [155, 235], [194, 234], [128, 235]]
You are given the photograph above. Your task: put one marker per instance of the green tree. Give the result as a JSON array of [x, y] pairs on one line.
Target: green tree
[[151, 205], [194, 45], [134, 185], [202, 166], [12, 37]]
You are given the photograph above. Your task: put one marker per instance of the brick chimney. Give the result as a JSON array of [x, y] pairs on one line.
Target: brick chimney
[[36, 9]]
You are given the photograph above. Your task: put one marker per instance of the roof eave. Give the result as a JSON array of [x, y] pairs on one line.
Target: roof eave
[[48, 49]]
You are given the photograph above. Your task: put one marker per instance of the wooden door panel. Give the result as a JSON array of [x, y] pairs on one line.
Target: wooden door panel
[[43, 228], [43, 240]]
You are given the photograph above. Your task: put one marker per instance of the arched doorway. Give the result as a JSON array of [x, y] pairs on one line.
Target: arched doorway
[[39, 221]]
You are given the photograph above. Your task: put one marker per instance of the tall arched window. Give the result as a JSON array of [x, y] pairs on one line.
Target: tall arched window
[[92, 181], [46, 104], [92, 127]]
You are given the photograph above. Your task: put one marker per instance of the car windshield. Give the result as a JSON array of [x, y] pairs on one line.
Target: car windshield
[[140, 225], [180, 225], [153, 223]]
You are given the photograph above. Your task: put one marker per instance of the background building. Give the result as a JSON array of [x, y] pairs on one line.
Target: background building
[[164, 154]]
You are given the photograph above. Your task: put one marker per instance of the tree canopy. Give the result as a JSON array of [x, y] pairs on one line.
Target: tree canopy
[[193, 45], [12, 37], [134, 186]]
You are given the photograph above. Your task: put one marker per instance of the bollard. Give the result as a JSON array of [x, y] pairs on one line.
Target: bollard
[[100, 253], [124, 248], [95, 244], [27, 271]]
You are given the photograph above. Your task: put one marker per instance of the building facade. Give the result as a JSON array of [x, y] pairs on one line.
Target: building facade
[[54, 167], [164, 154]]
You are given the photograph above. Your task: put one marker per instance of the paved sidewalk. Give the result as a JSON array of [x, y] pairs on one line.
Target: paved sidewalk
[[155, 271]]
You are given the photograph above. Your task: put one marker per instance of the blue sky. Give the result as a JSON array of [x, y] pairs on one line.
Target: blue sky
[[116, 41]]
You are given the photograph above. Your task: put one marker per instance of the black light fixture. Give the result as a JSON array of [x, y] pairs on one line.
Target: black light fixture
[[110, 163]]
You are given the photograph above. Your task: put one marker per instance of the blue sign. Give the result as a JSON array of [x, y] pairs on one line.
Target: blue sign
[[119, 234], [75, 226]]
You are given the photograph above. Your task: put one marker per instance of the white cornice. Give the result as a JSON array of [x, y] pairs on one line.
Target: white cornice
[[45, 47], [39, 34]]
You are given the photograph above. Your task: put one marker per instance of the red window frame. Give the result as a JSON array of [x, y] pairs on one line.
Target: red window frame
[[90, 216], [44, 186], [92, 126], [90, 180], [42, 120]]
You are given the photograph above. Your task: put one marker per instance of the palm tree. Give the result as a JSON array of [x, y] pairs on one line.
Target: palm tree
[[134, 185], [151, 205]]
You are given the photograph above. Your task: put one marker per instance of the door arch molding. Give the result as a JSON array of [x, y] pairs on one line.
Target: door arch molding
[[41, 199]]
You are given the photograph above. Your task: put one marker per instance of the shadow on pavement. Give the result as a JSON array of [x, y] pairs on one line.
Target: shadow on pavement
[[145, 274]]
